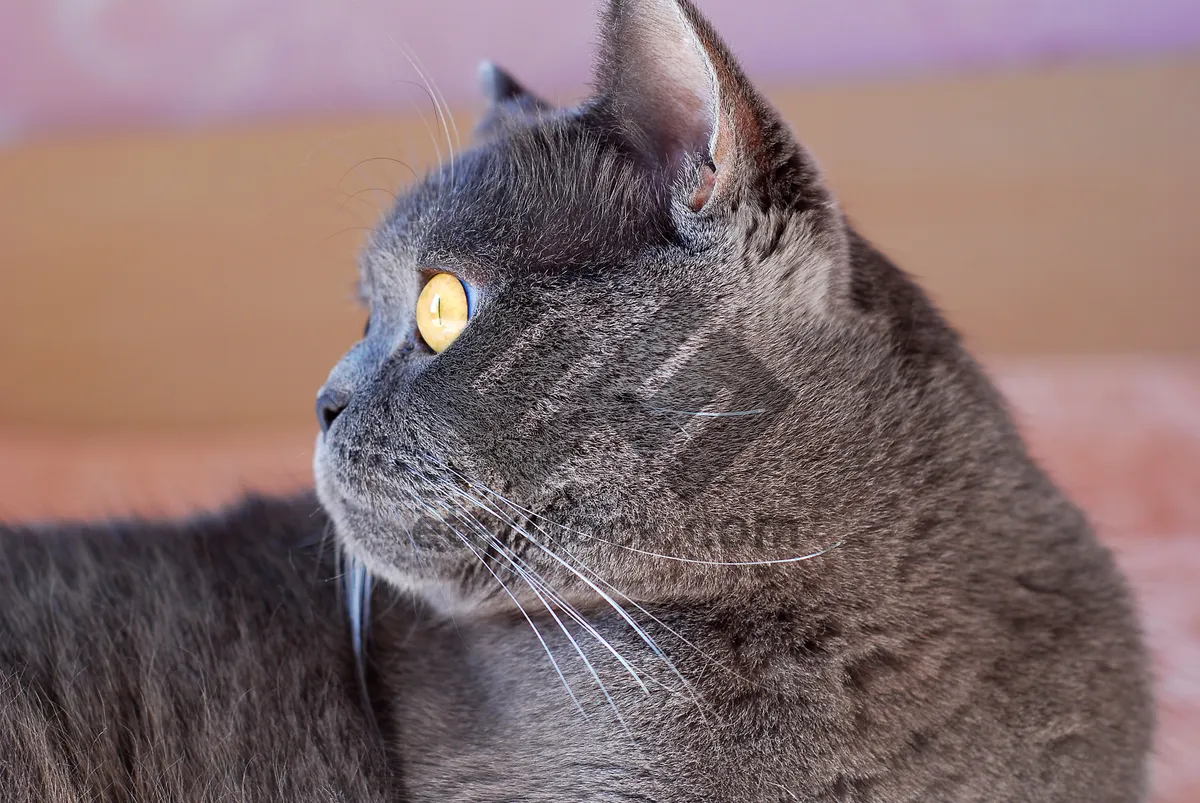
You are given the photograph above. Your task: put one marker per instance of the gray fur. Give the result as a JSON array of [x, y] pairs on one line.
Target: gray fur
[[774, 530], [165, 663]]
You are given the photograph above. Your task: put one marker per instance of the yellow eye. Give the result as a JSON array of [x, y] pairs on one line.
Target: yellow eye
[[442, 311]]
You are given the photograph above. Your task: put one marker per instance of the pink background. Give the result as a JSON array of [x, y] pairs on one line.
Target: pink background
[[67, 64]]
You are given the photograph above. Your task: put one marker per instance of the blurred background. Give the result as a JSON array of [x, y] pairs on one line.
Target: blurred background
[[184, 186]]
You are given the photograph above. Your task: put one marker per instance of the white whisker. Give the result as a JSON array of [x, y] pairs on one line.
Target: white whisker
[[520, 607], [533, 586], [677, 558], [639, 607], [357, 583], [433, 139], [707, 414], [549, 609], [433, 85], [358, 604], [435, 96], [618, 592], [637, 628], [531, 576]]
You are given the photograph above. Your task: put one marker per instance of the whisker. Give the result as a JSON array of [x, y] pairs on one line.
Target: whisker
[[698, 562], [357, 584], [434, 96], [358, 195], [688, 688], [680, 559], [358, 607], [412, 540], [531, 576], [637, 628], [346, 230], [369, 159], [707, 414], [433, 85], [520, 607], [688, 692], [325, 541], [599, 578], [437, 148], [642, 634], [549, 609], [533, 586]]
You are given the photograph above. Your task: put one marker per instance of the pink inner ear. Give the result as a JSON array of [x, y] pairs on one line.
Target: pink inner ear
[[708, 180]]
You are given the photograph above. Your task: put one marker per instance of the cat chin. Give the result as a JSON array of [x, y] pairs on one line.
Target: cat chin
[[382, 549], [346, 495], [400, 571], [439, 596]]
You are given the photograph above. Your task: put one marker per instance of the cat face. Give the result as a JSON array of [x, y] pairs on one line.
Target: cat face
[[616, 336]]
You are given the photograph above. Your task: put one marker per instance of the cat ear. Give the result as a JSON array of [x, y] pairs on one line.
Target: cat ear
[[506, 99], [669, 82]]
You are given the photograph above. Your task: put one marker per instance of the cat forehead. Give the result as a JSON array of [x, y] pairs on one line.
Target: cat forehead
[[556, 196]]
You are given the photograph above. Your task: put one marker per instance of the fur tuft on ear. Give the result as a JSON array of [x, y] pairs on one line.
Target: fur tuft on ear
[[666, 79], [657, 78], [507, 99], [499, 86]]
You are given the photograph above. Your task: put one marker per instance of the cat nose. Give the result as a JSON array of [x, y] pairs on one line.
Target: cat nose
[[330, 403]]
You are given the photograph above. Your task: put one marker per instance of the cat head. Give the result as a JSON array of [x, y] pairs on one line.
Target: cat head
[[635, 338]]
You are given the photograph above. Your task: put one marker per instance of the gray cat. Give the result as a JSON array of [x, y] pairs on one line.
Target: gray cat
[[678, 489]]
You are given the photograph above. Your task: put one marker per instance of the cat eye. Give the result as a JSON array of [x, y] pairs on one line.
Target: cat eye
[[442, 311]]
